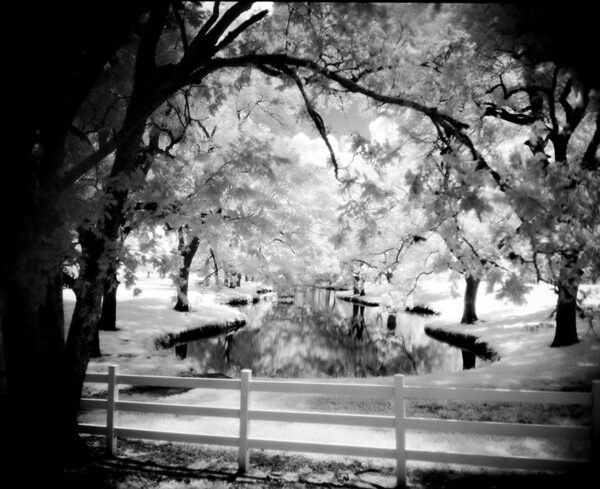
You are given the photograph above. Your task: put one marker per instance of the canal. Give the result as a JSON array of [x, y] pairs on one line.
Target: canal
[[319, 335]]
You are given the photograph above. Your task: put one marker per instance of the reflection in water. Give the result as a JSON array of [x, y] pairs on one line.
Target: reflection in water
[[391, 322], [468, 359], [319, 336]]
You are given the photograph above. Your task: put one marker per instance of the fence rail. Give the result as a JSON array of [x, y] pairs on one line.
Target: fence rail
[[399, 421]]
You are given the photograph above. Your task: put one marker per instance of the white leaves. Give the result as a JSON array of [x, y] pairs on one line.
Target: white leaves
[[514, 289], [415, 184]]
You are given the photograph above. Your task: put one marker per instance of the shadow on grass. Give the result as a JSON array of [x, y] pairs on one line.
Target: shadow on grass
[[141, 464], [450, 478]]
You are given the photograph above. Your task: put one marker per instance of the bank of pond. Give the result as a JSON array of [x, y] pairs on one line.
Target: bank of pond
[[315, 334]]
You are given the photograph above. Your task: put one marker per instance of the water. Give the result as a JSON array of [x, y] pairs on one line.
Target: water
[[321, 336]]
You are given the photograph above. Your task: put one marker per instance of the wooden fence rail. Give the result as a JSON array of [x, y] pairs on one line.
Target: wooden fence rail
[[399, 392]]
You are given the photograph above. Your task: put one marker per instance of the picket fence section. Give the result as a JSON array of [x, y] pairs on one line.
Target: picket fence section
[[399, 392]]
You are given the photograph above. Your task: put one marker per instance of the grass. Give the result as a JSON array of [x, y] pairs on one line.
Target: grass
[[500, 412], [161, 465]]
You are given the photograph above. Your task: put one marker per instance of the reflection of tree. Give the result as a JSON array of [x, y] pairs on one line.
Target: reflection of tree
[[227, 343], [391, 322], [310, 340], [357, 323], [181, 351], [468, 359]]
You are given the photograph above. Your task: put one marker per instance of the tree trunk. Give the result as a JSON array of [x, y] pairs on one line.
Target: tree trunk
[[182, 304], [359, 285], [469, 312], [36, 422], [187, 252], [214, 258], [96, 352], [566, 306], [108, 318], [88, 306]]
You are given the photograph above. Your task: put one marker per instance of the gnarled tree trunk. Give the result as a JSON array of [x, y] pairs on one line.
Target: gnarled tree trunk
[[566, 306], [216, 267], [187, 252], [108, 318], [469, 311], [33, 348]]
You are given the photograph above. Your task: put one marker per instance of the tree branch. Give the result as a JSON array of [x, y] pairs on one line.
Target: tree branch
[[417, 278], [175, 4], [363, 262], [591, 160], [229, 38], [145, 59], [210, 22], [279, 61], [203, 47], [512, 117], [316, 117]]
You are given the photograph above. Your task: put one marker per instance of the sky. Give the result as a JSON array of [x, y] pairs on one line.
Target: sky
[[347, 123]]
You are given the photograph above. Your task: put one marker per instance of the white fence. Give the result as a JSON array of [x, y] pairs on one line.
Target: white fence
[[400, 422]]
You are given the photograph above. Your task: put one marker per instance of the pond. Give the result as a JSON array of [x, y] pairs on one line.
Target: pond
[[319, 335]]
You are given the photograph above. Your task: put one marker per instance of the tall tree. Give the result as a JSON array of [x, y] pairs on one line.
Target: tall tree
[[543, 90]]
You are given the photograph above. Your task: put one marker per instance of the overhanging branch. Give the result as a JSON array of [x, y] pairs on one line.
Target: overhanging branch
[[315, 116]]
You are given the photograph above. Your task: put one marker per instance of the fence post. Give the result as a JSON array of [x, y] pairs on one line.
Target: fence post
[[244, 391], [400, 430], [595, 422], [113, 396]]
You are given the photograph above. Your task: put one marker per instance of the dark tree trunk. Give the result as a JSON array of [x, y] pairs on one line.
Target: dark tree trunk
[[108, 318], [83, 331], [216, 267], [96, 352], [187, 252], [359, 285], [43, 374], [36, 421], [469, 311], [566, 306], [239, 280]]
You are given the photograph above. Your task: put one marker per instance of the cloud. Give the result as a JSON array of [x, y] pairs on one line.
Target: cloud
[[384, 129]]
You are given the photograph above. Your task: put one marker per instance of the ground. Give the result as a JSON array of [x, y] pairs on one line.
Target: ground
[[141, 465], [520, 335]]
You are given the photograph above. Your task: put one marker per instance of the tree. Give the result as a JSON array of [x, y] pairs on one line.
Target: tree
[[35, 205], [543, 91], [555, 212]]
